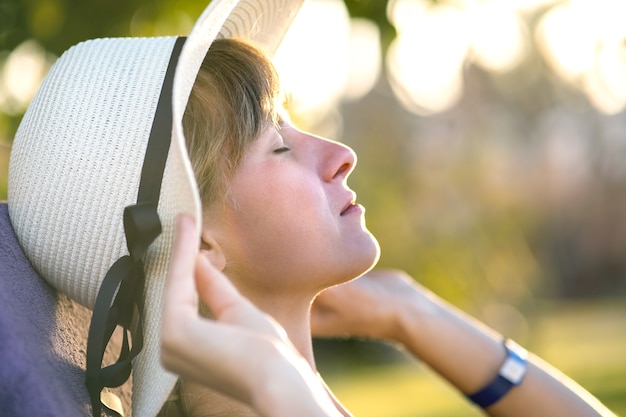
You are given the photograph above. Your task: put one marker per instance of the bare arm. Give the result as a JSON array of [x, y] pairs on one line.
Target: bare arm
[[389, 305], [243, 353]]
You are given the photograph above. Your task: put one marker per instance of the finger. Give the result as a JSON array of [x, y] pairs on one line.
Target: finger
[[228, 305], [214, 288], [180, 288]]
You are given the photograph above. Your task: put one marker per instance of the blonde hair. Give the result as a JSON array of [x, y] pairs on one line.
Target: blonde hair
[[235, 97]]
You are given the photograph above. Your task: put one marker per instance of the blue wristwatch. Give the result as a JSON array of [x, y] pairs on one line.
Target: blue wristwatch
[[510, 375]]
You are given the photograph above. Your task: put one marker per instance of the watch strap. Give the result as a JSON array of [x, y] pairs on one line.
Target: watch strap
[[511, 374]]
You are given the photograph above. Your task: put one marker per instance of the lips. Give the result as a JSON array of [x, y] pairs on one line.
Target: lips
[[349, 204]]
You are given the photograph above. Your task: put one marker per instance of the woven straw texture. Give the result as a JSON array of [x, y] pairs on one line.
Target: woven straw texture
[[78, 153]]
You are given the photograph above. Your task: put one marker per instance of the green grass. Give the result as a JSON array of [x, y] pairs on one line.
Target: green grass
[[587, 341], [399, 391]]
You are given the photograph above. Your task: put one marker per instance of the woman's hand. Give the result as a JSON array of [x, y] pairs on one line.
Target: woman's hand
[[366, 307], [243, 353], [391, 305]]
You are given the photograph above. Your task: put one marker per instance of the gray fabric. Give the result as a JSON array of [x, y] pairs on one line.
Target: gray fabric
[[43, 338]]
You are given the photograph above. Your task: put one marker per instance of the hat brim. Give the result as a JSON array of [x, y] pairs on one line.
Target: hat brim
[[263, 22], [77, 158]]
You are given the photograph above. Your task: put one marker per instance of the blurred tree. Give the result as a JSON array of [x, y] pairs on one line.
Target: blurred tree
[[376, 11], [517, 190], [59, 24]]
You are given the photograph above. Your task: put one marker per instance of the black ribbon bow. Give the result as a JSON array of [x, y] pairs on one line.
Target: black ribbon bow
[[120, 298]]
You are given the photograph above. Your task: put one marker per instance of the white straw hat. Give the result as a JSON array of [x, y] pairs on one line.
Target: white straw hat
[[77, 159]]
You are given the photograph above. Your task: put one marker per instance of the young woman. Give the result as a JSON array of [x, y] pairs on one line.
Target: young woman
[[281, 223], [279, 219], [99, 171]]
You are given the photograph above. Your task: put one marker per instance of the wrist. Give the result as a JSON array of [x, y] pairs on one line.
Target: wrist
[[290, 387], [453, 344], [291, 396], [414, 316], [510, 375]]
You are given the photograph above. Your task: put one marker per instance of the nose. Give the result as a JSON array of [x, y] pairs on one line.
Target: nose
[[338, 161]]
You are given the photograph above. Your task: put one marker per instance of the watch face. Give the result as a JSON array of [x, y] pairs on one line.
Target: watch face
[[513, 369]]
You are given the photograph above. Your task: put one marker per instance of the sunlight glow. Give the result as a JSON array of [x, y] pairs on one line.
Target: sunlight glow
[[583, 41], [530, 6], [565, 38], [425, 62], [606, 83], [497, 35], [365, 58], [21, 75], [313, 59], [403, 13], [327, 57], [426, 59]]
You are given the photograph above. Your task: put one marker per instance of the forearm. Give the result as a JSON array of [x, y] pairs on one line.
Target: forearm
[[288, 397], [390, 305], [258, 370], [274, 380], [297, 392], [469, 355]]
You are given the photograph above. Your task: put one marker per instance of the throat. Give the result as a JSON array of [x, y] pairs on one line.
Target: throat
[[298, 328], [294, 315]]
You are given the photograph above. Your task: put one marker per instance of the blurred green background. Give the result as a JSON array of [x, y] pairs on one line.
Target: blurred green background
[[491, 138]]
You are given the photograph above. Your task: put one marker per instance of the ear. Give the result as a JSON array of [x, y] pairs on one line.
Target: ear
[[212, 250]]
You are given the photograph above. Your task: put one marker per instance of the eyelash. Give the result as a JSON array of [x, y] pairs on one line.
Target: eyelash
[[282, 150]]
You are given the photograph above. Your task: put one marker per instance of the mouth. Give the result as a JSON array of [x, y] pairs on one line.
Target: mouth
[[349, 205]]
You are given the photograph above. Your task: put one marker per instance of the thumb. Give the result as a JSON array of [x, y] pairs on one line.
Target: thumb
[[228, 305]]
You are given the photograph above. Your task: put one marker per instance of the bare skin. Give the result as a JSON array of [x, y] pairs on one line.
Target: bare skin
[[390, 305], [289, 228], [278, 381], [214, 353]]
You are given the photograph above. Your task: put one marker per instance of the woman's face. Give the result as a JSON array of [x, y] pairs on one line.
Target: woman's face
[[291, 223]]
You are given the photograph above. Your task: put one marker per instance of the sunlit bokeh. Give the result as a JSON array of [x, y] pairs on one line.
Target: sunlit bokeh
[[497, 35], [313, 59], [583, 41], [365, 58], [326, 57], [567, 41], [527, 7], [21, 75], [425, 61], [491, 140]]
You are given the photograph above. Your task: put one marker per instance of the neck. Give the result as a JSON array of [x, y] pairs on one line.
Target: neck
[[294, 317]]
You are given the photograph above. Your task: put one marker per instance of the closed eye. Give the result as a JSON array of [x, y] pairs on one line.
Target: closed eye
[[281, 150]]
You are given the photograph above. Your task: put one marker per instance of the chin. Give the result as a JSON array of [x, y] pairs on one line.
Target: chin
[[374, 253], [365, 257]]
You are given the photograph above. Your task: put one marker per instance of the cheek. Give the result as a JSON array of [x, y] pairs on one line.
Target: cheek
[[284, 210], [281, 192], [286, 218]]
